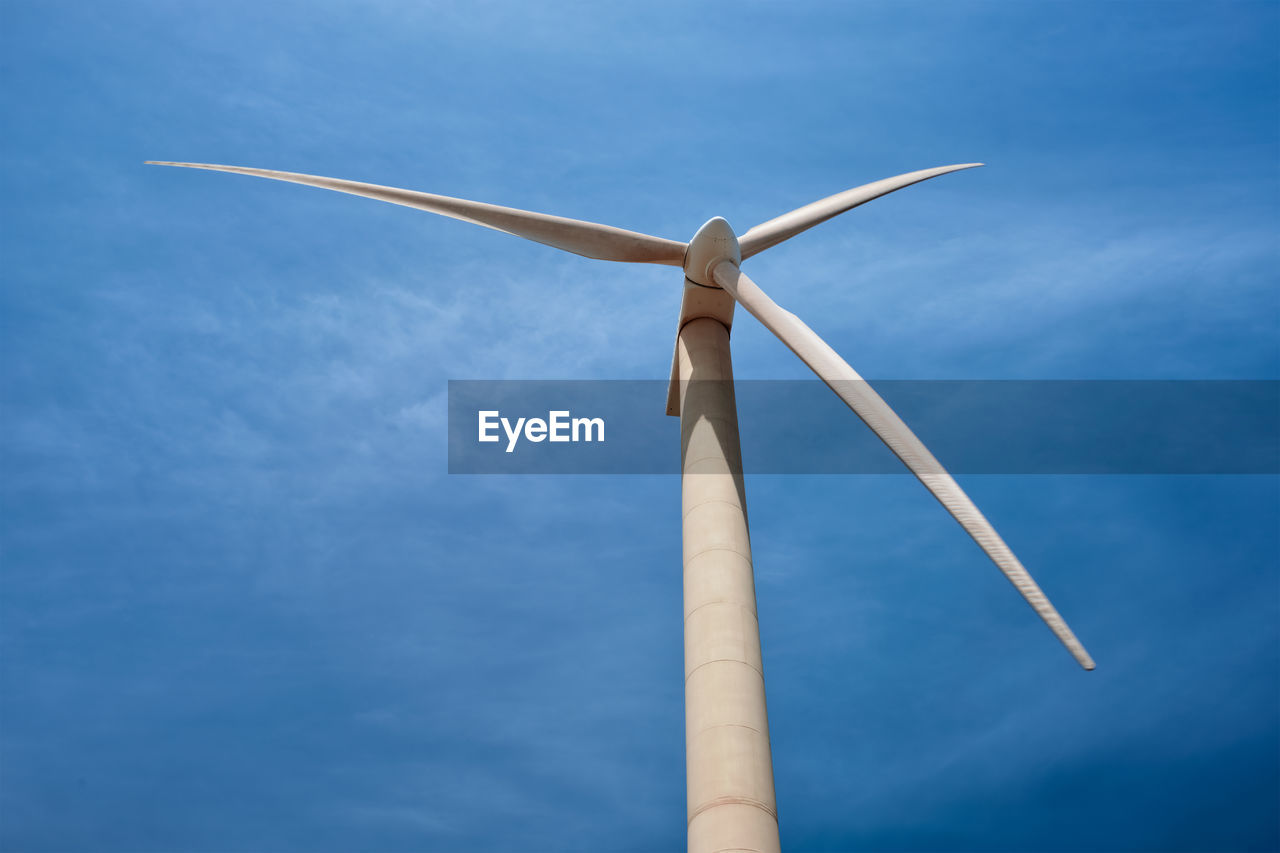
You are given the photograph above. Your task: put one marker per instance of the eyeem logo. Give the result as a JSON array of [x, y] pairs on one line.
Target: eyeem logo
[[559, 426]]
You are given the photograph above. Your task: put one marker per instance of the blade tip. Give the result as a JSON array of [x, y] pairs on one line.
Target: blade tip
[[183, 165]]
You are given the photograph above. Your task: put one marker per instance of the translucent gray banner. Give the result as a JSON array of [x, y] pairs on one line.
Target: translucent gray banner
[[800, 427]]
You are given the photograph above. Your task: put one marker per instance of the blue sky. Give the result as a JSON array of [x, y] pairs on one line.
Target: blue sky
[[243, 607]]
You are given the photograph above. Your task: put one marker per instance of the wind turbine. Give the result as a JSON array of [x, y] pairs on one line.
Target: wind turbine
[[731, 804]]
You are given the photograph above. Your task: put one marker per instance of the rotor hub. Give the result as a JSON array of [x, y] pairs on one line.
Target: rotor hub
[[714, 242]]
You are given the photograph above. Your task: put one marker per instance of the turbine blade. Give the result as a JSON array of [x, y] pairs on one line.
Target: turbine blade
[[885, 423], [788, 225], [588, 239]]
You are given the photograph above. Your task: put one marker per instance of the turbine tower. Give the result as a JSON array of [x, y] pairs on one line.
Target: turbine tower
[[731, 804]]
